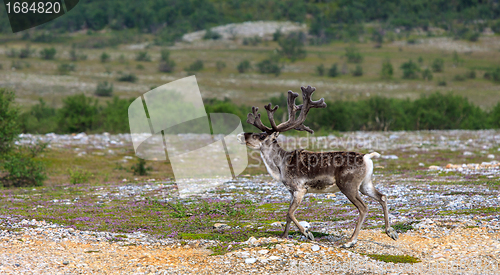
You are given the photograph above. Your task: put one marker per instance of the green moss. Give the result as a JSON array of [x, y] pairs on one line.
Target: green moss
[[394, 258], [403, 227]]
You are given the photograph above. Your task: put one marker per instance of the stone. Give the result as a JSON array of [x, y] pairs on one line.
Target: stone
[[221, 226], [277, 224], [305, 224], [434, 167], [273, 258], [263, 251], [250, 260], [315, 248]]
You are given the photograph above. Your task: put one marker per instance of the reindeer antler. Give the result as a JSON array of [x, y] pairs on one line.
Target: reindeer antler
[[292, 122], [254, 119]]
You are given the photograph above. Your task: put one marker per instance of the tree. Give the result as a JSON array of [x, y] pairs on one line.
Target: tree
[[410, 70], [292, 47], [167, 65], [9, 127], [387, 70], [78, 114]]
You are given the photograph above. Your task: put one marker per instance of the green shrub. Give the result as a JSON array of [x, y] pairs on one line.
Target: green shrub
[[130, 77], [39, 119], [244, 66], [358, 71], [48, 53], [269, 66], [427, 74], [441, 82], [78, 114], [333, 71], [459, 77], [253, 41], [140, 169], [213, 35], [26, 52], [143, 56], [19, 65], [437, 65], [105, 57], [320, 70], [410, 70], [277, 35], [493, 74], [104, 89], [387, 70], [457, 61], [195, 66], [471, 74], [167, 65], [22, 170], [66, 68], [353, 55], [78, 176], [9, 126], [121, 58], [139, 67], [113, 117], [12, 53], [292, 47], [420, 60], [220, 65]]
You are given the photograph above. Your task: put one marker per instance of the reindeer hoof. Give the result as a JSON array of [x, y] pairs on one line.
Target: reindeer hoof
[[349, 244], [392, 233], [309, 235]]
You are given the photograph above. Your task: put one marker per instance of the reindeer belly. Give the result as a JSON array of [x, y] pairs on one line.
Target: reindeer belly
[[322, 185]]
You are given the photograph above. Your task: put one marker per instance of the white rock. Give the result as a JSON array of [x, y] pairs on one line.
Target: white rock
[[263, 251], [389, 157], [250, 260], [272, 258], [277, 224], [315, 248], [251, 240], [305, 224], [421, 164], [467, 153], [434, 167], [491, 156]]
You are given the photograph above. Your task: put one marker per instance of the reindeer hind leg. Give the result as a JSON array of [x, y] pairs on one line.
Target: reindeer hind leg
[[369, 190]]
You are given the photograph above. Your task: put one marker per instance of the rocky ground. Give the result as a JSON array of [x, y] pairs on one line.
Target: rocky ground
[[443, 199]]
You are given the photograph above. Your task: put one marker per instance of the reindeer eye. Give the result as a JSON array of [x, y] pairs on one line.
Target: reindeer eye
[[262, 137]]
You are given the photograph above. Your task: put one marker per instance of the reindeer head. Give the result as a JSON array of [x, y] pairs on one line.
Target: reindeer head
[[269, 135]]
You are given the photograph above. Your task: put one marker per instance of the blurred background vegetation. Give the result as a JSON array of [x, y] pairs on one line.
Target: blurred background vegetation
[[369, 60]]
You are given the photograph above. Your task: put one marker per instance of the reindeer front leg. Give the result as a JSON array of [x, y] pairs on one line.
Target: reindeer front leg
[[297, 197]]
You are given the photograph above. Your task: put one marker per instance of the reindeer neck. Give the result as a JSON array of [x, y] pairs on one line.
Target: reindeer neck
[[272, 156]]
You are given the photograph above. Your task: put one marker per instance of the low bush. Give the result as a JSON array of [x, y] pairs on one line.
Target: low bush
[[471, 74], [269, 66], [195, 66], [410, 70], [243, 66], [140, 169], [333, 71], [130, 77], [78, 176], [220, 65], [358, 71], [387, 70], [104, 89], [66, 68], [459, 77], [213, 35], [22, 170], [353, 55], [252, 41], [48, 53], [105, 57], [143, 56], [437, 65], [320, 70], [427, 74], [167, 65]]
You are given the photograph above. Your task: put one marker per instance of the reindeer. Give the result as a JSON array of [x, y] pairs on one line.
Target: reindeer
[[312, 172]]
